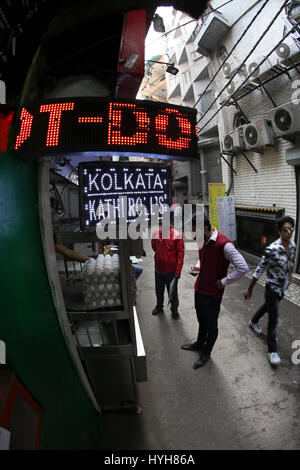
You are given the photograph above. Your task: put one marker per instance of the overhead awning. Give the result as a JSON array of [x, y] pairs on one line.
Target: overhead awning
[[261, 212]]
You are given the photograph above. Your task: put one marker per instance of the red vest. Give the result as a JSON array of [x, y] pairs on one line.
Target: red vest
[[213, 266]]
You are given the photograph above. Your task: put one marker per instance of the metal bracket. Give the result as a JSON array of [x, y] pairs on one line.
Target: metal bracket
[[248, 161], [262, 86], [238, 107], [227, 153], [294, 66]]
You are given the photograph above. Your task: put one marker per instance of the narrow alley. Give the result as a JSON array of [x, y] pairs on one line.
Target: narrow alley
[[237, 401]]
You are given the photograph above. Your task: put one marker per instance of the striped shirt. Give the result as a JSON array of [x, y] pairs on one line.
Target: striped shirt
[[278, 265]]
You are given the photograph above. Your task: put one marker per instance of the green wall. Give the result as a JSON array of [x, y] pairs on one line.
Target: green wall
[[35, 347]]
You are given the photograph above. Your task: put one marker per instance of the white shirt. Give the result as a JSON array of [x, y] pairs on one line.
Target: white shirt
[[232, 255]]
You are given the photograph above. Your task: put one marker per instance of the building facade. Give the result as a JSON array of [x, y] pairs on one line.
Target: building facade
[[191, 178], [247, 126]]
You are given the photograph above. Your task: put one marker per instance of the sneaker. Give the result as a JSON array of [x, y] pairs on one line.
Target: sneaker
[[274, 358], [255, 327]]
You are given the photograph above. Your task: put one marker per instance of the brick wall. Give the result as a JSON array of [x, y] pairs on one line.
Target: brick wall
[[274, 182]]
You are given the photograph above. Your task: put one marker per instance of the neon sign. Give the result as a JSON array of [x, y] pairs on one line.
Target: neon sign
[[103, 187], [107, 127]]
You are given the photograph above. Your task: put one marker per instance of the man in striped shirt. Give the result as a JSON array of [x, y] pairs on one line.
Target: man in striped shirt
[[277, 260]]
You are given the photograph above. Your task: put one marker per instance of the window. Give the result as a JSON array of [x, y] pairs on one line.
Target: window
[[239, 120], [206, 100], [195, 55], [222, 54], [255, 234], [186, 77]]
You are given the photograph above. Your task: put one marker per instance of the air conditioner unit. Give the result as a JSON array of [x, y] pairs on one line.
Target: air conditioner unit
[[286, 50], [257, 134], [286, 120], [231, 65], [262, 70], [231, 89], [234, 141]]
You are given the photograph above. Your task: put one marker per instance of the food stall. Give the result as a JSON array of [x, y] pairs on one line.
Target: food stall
[[79, 185], [96, 297]]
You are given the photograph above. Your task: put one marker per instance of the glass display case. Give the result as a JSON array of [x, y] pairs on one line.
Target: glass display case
[[94, 293]]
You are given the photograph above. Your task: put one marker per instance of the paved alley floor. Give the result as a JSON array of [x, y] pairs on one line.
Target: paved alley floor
[[237, 401]]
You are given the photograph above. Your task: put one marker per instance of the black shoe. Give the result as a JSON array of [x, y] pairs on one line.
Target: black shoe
[[191, 347], [175, 315], [201, 361], [156, 311]]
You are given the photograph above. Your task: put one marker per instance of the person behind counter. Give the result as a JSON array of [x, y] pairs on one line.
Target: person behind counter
[[72, 255]]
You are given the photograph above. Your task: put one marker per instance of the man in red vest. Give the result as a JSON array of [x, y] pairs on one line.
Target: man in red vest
[[215, 256], [168, 260]]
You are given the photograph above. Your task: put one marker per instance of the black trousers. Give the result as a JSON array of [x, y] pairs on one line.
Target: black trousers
[[271, 306], [161, 281], [207, 310]]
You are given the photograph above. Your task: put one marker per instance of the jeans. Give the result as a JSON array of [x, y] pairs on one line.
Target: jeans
[[138, 270], [163, 280], [271, 306], [207, 310]]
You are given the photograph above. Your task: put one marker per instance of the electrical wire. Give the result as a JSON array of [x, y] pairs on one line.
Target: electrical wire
[[229, 54], [188, 22], [245, 59], [247, 77], [278, 74]]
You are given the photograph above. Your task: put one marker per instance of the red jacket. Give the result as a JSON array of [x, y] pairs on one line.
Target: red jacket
[[169, 252]]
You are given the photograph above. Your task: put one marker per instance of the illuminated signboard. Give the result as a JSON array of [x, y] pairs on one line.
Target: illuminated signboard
[[106, 127], [103, 187]]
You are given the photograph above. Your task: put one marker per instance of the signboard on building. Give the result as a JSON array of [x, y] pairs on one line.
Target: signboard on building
[[117, 190], [106, 127], [226, 217], [215, 190]]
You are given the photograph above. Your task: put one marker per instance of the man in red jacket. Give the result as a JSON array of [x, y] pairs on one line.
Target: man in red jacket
[[168, 258], [215, 256]]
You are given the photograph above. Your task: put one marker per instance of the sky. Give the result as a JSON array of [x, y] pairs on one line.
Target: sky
[[155, 43]]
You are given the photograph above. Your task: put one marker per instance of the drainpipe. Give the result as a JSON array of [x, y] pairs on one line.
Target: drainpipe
[[231, 175], [203, 173]]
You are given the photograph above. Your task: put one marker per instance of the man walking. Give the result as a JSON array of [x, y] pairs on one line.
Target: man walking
[[215, 256], [168, 258], [277, 260]]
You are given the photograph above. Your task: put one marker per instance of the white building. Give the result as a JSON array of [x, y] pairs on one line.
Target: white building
[[191, 178], [260, 162]]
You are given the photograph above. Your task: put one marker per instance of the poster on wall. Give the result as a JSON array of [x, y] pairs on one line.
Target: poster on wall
[[226, 217], [215, 191]]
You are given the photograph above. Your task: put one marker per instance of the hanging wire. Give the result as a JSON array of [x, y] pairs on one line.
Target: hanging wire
[[190, 21], [245, 59], [253, 71], [229, 54]]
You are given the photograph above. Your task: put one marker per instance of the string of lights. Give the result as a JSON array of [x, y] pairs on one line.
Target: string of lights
[[233, 48], [253, 72], [243, 61]]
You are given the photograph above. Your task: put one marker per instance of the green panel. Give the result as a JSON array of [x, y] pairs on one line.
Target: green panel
[[35, 347]]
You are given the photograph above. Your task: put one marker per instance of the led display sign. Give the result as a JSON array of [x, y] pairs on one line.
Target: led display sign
[[102, 127], [105, 188]]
